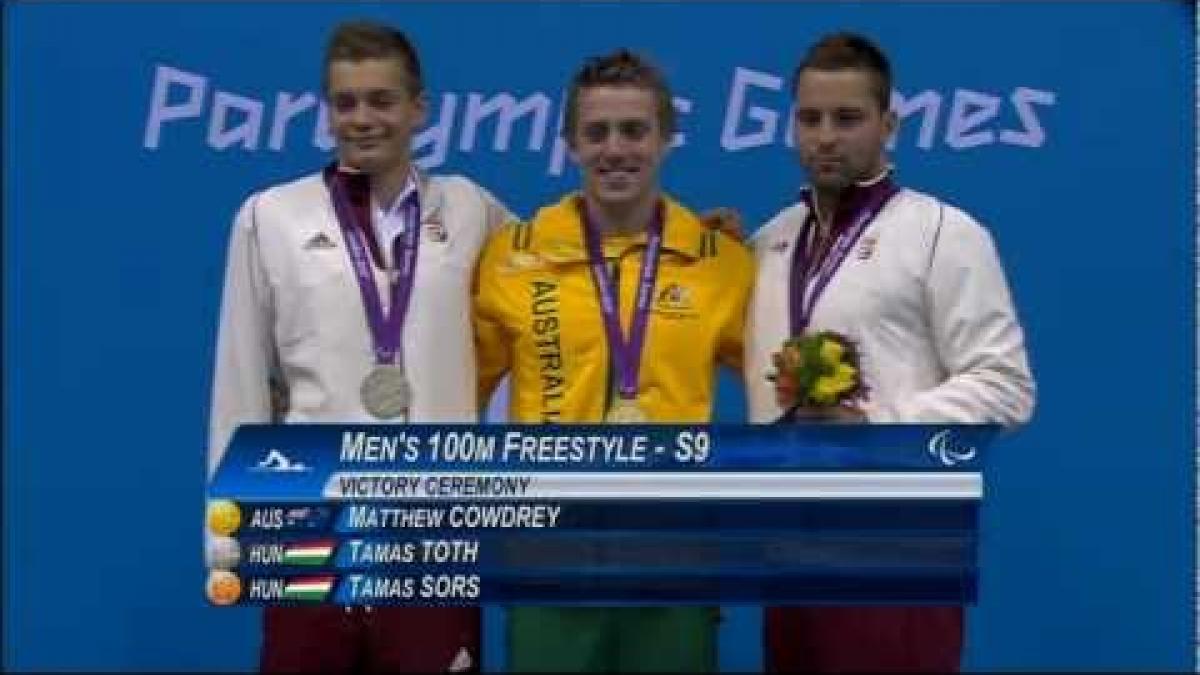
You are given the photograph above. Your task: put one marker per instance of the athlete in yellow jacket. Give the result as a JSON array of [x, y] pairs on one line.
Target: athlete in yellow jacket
[[538, 317], [615, 304]]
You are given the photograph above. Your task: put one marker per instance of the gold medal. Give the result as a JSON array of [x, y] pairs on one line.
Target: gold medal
[[224, 517], [625, 411]]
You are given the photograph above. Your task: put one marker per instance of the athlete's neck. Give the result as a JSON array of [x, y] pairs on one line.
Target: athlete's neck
[[389, 183], [622, 219], [827, 200], [825, 203]]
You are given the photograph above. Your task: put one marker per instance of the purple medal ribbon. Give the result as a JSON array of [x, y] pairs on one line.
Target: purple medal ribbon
[[804, 300], [386, 330], [627, 356]]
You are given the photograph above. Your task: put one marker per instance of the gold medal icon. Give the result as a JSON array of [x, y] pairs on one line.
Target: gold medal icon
[[224, 588], [224, 517]]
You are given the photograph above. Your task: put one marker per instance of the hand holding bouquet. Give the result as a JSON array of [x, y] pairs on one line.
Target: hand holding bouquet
[[817, 376]]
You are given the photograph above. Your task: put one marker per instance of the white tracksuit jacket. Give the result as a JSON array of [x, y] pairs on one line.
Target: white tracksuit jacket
[[292, 310], [924, 295]]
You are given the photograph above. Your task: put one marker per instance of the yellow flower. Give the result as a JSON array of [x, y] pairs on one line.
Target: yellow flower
[[846, 374], [828, 388], [832, 351]]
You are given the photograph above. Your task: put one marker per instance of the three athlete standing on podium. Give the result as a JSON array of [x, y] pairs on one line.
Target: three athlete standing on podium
[[349, 297]]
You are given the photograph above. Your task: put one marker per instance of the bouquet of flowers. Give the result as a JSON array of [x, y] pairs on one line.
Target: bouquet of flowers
[[817, 372]]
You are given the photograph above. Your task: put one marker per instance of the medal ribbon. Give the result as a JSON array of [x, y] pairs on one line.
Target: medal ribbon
[[386, 329], [627, 356], [803, 299]]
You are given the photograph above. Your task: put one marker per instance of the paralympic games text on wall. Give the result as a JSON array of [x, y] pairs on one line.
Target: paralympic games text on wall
[[756, 114]]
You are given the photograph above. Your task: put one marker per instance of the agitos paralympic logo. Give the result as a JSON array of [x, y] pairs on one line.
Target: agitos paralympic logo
[[948, 450], [756, 114]]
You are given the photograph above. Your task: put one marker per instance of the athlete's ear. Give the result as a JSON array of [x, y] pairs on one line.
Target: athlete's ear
[[890, 123]]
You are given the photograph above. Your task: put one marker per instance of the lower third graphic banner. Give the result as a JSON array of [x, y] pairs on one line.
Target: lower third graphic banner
[[754, 514]]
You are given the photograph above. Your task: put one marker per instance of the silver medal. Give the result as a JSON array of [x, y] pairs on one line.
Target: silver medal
[[386, 393]]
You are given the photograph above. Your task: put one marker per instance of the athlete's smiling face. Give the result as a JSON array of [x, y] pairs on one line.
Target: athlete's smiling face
[[374, 110], [619, 144]]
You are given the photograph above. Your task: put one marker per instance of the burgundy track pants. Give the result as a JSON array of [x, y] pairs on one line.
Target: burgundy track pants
[[330, 639], [863, 639]]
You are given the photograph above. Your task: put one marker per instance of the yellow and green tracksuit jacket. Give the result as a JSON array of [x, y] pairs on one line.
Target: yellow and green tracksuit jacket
[[537, 317]]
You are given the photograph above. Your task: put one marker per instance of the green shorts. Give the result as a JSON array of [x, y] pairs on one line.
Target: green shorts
[[620, 639]]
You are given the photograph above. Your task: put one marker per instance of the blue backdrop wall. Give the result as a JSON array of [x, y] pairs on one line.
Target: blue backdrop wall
[[132, 132]]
